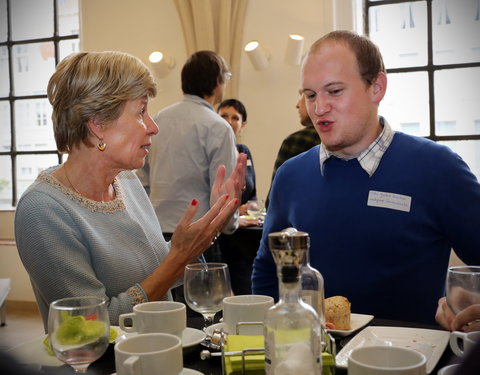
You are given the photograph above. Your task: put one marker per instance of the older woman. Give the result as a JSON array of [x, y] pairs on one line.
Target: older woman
[[87, 227]]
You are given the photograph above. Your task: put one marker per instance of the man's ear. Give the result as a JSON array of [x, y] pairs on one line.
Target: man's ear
[[379, 86]]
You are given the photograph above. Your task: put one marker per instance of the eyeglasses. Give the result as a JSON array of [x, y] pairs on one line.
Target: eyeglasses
[[228, 76]]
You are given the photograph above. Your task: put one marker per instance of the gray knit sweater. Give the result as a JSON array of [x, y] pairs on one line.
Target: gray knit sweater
[[73, 246]]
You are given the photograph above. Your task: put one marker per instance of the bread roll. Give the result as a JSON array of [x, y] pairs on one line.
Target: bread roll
[[337, 311]]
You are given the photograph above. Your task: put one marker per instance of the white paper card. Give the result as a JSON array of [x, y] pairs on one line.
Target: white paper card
[[389, 200]]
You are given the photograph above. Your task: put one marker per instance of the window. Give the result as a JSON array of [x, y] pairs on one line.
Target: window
[[431, 51], [34, 36]]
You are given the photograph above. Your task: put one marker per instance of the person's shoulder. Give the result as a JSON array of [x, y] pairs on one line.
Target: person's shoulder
[[421, 146], [425, 154], [242, 148], [307, 135], [302, 160], [168, 110], [39, 187]]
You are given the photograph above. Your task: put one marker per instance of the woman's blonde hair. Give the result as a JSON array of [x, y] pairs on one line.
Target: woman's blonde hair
[[96, 85]]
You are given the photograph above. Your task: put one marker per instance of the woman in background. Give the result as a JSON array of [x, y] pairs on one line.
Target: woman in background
[[235, 113], [238, 249], [87, 227]]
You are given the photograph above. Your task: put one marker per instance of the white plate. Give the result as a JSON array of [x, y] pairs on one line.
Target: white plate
[[217, 326], [190, 337], [357, 321], [429, 342], [34, 352]]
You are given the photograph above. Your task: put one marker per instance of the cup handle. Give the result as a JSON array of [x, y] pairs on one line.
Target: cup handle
[[454, 339], [130, 365], [121, 322]]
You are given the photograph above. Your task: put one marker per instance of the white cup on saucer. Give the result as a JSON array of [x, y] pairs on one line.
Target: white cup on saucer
[[468, 340], [143, 353], [386, 360], [248, 308], [156, 317]]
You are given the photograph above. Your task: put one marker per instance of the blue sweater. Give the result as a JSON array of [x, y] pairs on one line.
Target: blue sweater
[[388, 262]]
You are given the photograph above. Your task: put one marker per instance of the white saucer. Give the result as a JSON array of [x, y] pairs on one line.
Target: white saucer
[[190, 337], [216, 326]]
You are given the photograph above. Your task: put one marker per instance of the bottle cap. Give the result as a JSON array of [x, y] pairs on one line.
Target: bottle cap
[[289, 246]]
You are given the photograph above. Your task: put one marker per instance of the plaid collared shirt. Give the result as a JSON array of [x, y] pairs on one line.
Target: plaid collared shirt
[[369, 158]]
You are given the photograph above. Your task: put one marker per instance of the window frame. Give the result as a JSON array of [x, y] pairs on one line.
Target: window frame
[[430, 68], [12, 99]]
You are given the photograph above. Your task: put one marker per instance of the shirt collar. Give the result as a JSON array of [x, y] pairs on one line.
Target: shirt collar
[[198, 100], [369, 158]]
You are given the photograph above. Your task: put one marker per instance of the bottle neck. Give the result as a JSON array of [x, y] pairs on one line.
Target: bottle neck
[[289, 291], [306, 258]]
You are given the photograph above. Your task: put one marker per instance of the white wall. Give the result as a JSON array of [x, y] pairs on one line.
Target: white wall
[[10, 263]]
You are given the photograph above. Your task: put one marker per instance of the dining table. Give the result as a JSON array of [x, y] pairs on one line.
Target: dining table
[[213, 366]]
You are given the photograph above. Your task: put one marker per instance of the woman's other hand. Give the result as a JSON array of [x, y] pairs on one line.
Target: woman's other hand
[[466, 320], [191, 239], [444, 316]]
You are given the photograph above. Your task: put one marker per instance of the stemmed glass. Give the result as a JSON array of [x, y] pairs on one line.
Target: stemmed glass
[[205, 286], [79, 330], [463, 287]]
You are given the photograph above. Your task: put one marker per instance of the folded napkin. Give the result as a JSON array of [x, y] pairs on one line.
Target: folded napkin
[[255, 363]]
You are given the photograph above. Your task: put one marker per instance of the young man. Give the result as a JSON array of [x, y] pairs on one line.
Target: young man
[[383, 209]]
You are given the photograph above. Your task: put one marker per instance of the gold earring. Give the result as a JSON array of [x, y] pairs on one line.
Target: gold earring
[[101, 146]]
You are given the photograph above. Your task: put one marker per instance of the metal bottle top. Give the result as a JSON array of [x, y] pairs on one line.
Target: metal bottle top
[[289, 247]]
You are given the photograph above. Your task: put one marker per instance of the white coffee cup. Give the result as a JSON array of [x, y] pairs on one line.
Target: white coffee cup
[[448, 370], [248, 308], [384, 360], [159, 316], [469, 340], [147, 353]]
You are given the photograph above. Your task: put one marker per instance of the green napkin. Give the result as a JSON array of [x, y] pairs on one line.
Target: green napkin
[[255, 363]]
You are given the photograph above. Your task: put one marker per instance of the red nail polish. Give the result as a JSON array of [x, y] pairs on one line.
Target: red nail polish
[[226, 197], [194, 202], [236, 201]]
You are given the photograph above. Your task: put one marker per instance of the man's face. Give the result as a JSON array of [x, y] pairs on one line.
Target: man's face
[[342, 107], [302, 111]]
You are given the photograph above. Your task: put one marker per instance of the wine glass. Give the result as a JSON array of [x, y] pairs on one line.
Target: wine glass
[[463, 287], [79, 330], [205, 286], [256, 209]]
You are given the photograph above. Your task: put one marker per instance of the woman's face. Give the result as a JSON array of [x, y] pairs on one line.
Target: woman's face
[[129, 136], [233, 117]]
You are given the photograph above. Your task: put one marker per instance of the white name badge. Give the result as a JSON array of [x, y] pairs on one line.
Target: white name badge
[[389, 200]]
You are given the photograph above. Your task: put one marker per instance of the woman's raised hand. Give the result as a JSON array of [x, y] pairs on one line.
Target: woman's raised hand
[[234, 185]]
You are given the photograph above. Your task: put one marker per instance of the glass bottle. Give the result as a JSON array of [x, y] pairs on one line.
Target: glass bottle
[[292, 328], [312, 291]]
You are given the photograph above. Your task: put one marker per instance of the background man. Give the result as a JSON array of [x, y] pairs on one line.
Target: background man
[[195, 139], [297, 142]]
